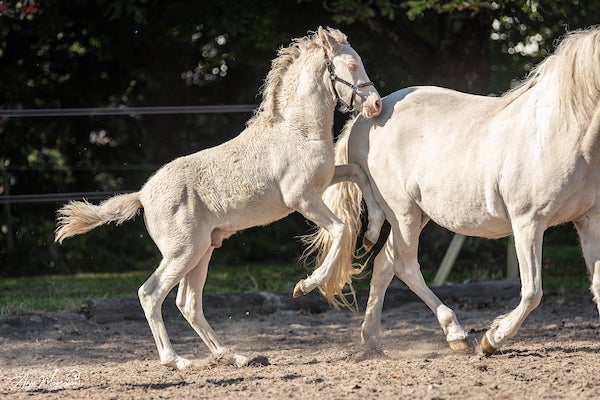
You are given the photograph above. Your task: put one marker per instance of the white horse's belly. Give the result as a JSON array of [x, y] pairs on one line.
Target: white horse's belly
[[471, 217]]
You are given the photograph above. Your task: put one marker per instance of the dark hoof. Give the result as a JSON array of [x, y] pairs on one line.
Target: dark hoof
[[486, 348], [259, 361], [367, 244]]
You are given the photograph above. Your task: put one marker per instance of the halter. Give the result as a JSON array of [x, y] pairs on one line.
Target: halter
[[344, 107]]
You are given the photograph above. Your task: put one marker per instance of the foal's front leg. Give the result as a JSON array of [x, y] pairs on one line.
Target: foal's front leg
[[354, 173], [314, 209]]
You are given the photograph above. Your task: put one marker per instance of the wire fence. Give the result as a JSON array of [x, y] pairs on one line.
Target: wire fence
[[101, 111], [42, 198]]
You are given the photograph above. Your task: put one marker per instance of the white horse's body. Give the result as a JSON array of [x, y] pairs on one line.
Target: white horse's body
[[482, 166], [280, 163]]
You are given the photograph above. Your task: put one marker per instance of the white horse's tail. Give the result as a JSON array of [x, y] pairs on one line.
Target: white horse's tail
[[79, 217], [345, 200]]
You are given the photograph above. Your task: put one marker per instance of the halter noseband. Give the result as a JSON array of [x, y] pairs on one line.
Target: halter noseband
[[344, 107]]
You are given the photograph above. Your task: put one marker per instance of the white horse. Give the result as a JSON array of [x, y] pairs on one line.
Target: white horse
[[480, 166], [280, 163]]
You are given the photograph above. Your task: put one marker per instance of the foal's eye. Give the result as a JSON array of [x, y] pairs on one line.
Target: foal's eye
[[352, 67]]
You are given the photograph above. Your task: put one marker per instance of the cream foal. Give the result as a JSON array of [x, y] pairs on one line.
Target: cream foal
[[279, 164]]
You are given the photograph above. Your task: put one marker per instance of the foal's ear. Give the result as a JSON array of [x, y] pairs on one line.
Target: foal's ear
[[331, 39]]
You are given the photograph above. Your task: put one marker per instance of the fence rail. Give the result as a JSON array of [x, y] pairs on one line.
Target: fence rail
[[42, 198], [101, 111]]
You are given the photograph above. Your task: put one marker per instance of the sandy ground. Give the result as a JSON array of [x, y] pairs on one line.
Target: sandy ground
[[310, 353]]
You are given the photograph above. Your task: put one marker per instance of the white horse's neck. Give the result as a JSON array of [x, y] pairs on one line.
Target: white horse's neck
[[562, 94]]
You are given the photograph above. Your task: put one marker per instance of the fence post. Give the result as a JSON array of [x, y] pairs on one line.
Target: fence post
[[449, 259], [512, 263]]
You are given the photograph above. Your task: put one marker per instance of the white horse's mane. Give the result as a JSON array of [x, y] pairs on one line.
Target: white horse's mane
[[571, 74], [275, 89]]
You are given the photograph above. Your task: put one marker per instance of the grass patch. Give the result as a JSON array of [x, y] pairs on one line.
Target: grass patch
[[66, 292]]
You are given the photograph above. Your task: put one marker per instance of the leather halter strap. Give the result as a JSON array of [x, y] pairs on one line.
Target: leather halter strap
[[344, 107]]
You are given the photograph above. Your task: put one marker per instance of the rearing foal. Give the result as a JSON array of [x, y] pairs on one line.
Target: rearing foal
[[280, 163]]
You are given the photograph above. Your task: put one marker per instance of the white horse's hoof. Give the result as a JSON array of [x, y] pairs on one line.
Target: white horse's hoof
[[460, 346], [298, 290], [178, 363], [486, 347]]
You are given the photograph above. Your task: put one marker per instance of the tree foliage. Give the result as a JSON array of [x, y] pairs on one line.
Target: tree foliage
[[99, 53]]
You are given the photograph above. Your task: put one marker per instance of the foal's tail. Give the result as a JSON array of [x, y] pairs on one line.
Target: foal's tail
[[345, 200], [79, 217]]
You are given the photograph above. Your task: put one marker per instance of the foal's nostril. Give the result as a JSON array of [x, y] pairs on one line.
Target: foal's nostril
[[378, 106]]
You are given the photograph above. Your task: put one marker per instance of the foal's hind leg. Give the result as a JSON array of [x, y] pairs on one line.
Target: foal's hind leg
[[354, 173], [588, 228], [189, 302], [152, 293], [182, 246]]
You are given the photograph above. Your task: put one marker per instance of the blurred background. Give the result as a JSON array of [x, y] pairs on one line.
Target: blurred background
[[139, 53]]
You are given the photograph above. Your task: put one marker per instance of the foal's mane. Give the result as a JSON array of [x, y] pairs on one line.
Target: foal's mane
[[571, 74], [272, 93]]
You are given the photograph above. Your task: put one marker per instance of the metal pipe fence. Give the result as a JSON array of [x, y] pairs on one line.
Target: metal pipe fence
[[42, 198]]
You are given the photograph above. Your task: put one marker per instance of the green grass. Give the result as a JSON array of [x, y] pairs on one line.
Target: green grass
[[66, 292]]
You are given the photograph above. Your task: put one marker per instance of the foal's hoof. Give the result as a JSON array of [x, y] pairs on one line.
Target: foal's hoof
[[460, 346], [486, 348], [298, 291], [178, 363]]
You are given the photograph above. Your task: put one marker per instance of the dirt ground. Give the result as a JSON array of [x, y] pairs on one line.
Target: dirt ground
[[312, 351]]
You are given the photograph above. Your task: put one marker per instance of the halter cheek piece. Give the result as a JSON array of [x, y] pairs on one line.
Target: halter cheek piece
[[344, 107]]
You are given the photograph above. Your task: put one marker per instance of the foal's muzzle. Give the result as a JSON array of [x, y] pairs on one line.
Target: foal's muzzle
[[371, 105]]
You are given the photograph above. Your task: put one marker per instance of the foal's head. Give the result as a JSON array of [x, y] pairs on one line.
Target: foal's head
[[350, 84]]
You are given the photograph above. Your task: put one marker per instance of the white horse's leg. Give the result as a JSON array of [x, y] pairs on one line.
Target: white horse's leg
[[588, 228], [189, 302], [407, 268], [314, 209], [354, 173], [528, 243], [383, 274]]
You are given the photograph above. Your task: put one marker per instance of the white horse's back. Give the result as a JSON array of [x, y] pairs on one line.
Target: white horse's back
[[471, 163]]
